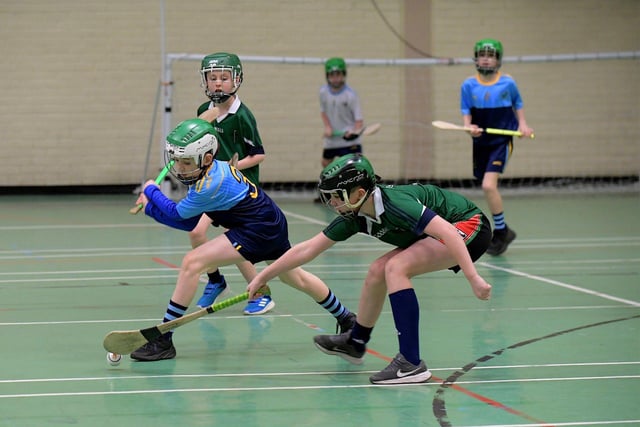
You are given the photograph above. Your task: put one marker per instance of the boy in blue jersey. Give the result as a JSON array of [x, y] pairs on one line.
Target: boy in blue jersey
[[491, 99], [256, 229]]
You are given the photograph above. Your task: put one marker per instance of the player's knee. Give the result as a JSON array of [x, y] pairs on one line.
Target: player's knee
[[489, 187], [197, 237], [292, 278], [191, 264], [376, 271], [395, 267]]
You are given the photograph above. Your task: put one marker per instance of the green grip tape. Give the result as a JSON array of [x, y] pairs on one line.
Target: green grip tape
[[229, 302]]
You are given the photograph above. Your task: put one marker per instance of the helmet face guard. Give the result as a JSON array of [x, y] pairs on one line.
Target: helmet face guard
[[345, 208], [221, 61], [342, 176], [192, 139], [488, 47]]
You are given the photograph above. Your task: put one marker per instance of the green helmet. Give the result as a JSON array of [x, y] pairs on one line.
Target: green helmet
[[488, 45], [191, 139], [343, 175], [221, 61], [335, 64]]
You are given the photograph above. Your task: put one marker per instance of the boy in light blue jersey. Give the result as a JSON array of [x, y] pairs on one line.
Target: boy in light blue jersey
[[256, 228], [491, 99]]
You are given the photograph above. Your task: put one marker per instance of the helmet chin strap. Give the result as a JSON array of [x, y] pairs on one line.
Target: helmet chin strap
[[355, 208], [219, 97]]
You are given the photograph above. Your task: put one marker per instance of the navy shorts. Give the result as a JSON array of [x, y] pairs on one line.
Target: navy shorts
[[331, 153], [491, 158], [264, 239]]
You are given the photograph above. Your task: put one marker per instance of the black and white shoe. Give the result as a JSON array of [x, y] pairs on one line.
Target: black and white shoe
[[339, 345]]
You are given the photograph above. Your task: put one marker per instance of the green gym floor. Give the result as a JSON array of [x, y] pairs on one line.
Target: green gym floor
[[557, 345]]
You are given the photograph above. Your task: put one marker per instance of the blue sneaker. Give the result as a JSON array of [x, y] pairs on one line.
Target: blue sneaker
[[259, 305], [211, 292]]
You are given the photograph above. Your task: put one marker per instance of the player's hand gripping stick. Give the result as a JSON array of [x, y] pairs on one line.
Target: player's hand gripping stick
[[134, 210]]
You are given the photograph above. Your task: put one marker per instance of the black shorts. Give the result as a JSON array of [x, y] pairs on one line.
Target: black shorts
[[331, 153], [479, 240]]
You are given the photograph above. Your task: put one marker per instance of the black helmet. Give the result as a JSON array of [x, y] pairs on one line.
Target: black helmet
[[344, 174]]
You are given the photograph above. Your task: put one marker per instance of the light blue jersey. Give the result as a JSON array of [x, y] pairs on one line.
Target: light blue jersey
[[219, 190], [255, 225], [491, 105]]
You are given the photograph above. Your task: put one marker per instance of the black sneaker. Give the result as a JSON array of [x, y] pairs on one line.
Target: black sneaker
[[347, 324], [338, 345], [401, 371], [500, 241], [159, 349]]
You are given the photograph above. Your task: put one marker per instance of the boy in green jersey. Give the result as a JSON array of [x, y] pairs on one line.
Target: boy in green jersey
[[431, 228], [222, 75]]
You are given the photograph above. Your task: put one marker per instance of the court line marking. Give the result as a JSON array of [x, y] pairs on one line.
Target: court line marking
[[73, 226], [307, 387], [560, 284], [285, 374], [365, 266], [581, 245], [573, 423], [305, 315]]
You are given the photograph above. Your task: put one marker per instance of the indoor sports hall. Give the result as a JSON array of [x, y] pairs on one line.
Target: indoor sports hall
[[91, 90], [556, 345]]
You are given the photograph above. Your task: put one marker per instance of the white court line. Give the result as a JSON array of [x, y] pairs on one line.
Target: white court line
[[330, 267], [296, 374], [545, 308], [115, 270], [305, 315], [309, 387], [88, 279], [573, 423], [560, 284], [74, 226]]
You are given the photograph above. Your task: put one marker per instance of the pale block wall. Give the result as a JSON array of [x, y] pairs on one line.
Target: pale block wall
[[79, 82], [584, 113]]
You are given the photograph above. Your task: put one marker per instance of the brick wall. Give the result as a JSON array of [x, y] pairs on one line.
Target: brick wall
[[79, 82]]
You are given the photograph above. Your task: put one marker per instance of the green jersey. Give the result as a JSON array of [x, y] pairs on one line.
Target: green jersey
[[402, 213], [238, 132]]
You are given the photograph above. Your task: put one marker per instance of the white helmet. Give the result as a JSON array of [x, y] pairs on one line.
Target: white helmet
[[191, 139]]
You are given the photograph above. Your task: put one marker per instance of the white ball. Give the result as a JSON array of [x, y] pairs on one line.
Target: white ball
[[114, 359]]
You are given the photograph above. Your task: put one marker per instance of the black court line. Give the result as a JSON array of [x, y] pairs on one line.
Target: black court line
[[439, 404]]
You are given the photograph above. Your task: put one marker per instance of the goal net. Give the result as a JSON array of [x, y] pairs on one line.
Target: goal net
[[583, 108]]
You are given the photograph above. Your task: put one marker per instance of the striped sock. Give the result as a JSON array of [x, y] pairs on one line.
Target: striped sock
[[333, 305], [498, 221], [174, 311]]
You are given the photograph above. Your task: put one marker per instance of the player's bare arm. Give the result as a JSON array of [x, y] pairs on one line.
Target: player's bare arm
[[446, 232], [298, 255]]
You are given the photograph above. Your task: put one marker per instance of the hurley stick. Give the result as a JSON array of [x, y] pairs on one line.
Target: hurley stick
[[134, 210], [125, 342]]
